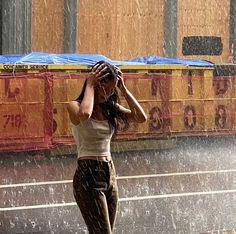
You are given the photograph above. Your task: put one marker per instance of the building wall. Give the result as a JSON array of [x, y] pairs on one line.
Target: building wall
[[124, 29], [204, 18], [48, 26], [120, 29]]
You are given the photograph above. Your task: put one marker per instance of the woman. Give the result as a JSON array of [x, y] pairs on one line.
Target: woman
[[95, 116]]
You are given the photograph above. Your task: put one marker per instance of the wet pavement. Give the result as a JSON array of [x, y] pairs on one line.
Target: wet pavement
[[187, 189]]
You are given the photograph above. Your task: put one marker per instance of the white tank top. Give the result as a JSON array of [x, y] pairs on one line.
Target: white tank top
[[92, 137]]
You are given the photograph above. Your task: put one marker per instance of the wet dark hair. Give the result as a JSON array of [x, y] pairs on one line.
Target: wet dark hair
[[109, 109]]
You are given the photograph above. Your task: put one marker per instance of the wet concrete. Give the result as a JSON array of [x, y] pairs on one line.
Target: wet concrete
[[188, 189]]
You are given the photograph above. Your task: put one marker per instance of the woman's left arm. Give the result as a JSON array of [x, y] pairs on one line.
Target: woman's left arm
[[136, 112]]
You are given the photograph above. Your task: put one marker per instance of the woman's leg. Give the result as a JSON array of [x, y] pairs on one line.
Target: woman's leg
[[90, 182], [112, 203], [93, 207], [112, 194]]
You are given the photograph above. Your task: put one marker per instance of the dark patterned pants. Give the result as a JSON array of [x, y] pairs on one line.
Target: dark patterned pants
[[96, 193]]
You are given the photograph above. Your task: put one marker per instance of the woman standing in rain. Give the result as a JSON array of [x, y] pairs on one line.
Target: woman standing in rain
[[95, 116]]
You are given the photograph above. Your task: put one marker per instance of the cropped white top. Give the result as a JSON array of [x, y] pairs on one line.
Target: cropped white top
[[92, 137]]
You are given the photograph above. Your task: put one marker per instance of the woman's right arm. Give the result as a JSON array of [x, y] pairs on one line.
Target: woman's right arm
[[81, 111]]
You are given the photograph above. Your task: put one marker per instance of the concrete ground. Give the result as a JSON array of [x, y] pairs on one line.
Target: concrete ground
[[188, 188]]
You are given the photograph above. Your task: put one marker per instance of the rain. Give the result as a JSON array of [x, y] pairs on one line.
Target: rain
[[176, 171]]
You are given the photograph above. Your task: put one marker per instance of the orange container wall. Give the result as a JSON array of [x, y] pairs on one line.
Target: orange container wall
[[233, 114], [186, 116], [151, 126], [186, 84], [234, 86], [61, 125], [74, 87], [151, 91], [60, 121], [155, 113], [23, 111], [178, 101], [211, 85], [218, 115], [17, 89], [200, 102], [233, 103], [18, 121], [218, 87], [144, 86]]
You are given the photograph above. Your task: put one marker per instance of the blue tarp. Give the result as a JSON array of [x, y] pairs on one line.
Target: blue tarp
[[91, 59], [163, 60], [10, 58], [46, 58]]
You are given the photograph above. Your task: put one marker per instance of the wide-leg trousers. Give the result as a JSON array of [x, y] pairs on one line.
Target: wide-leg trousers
[[96, 193]]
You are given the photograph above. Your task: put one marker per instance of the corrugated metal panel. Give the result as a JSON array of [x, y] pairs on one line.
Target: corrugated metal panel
[[70, 29], [16, 26]]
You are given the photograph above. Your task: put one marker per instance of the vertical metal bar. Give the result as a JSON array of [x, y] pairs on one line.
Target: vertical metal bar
[[170, 28], [27, 29], [70, 26], [16, 26], [232, 36]]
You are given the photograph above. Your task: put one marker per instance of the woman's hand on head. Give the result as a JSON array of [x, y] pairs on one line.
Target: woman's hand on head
[[98, 73], [121, 83]]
